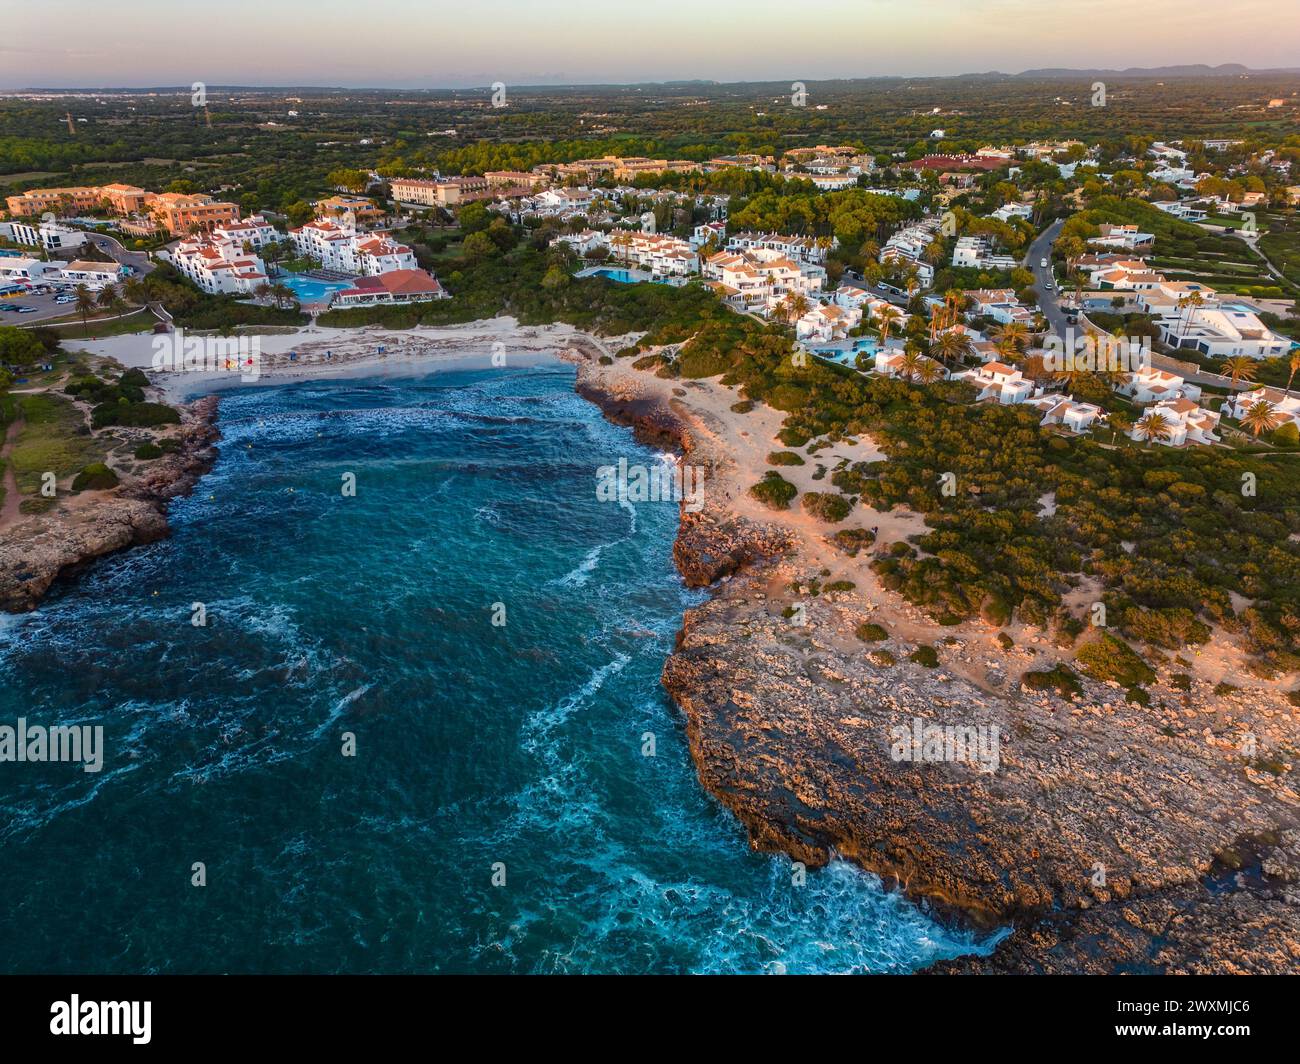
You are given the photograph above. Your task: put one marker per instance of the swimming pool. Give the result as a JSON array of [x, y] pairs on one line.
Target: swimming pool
[[309, 289], [846, 353]]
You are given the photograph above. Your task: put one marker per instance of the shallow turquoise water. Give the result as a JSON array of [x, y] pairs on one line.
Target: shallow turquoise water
[[309, 289], [477, 745]]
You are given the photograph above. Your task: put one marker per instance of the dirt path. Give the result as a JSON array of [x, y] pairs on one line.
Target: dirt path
[[9, 512]]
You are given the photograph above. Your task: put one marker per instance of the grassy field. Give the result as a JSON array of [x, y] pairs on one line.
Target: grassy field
[[50, 441], [70, 327]]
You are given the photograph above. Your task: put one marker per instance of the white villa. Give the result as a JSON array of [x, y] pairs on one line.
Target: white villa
[[1186, 422], [91, 274], [827, 322], [978, 251], [1065, 411], [1001, 305], [1155, 386], [1128, 237], [14, 268], [997, 380], [219, 267], [1285, 407], [1222, 331], [889, 363]]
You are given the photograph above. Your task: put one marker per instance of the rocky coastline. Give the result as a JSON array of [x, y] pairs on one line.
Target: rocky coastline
[[42, 548], [1112, 837]]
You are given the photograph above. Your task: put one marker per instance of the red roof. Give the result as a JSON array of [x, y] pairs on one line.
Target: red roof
[[398, 283]]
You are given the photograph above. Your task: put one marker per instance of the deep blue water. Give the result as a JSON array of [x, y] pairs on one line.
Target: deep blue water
[[475, 744]]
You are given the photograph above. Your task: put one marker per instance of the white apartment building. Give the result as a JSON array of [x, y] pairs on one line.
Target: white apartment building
[[16, 268], [341, 248], [890, 363], [47, 235], [758, 279], [663, 256], [799, 248], [219, 267]]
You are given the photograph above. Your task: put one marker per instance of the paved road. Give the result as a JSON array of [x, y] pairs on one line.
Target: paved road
[[1050, 302], [139, 261]]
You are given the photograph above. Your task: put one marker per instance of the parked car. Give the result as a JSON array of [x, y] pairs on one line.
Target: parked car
[[26, 310]]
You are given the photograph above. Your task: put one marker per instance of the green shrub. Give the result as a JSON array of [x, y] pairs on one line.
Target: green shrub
[[925, 655], [1059, 678], [774, 491], [742, 407], [869, 632], [840, 585], [852, 540], [1005, 641], [147, 451], [883, 658], [826, 506], [784, 458], [95, 477], [1109, 658]]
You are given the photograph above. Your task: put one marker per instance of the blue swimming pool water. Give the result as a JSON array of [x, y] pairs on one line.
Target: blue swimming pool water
[[309, 289], [848, 355], [621, 276]]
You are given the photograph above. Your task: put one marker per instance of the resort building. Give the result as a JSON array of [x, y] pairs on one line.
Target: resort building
[[759, 279], [439, 192], [892, 363], [663, 256], [91, 274], [1000, 304], [827, 322], [357, 211], [219, 266], [831, 182], [183, 213], [1065, 411], [48, 235], [25, 269], [119, 199], [800, 248], [340, 248]]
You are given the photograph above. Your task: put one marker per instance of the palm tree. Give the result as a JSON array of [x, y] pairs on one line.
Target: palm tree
[[1239, 368], [929, 370], [797, 306], [85, 304], [282, 294], [262, 291], [1260, 417], [1013, 333], [1295, 366], [1154, 427], [952, 346], [108, 295], [136, 291], [888, 316], [912, 363], [1191, 300]]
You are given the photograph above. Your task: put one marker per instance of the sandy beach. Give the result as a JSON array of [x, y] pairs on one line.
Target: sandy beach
[[320, 353]]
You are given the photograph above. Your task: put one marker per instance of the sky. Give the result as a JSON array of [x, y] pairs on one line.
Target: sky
[[439, 44]]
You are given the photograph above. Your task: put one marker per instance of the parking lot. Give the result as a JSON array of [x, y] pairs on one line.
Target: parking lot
[[43, 304]]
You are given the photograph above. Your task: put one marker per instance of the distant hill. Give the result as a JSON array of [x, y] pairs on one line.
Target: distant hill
[[1190, 70]]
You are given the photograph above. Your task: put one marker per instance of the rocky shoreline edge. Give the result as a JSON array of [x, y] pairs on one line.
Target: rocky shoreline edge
[[1081, 845], [44, 548]]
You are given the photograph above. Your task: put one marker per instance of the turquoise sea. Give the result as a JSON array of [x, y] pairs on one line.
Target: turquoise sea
[[512, 749]]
